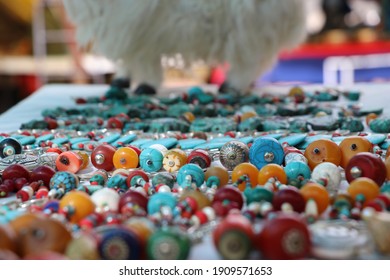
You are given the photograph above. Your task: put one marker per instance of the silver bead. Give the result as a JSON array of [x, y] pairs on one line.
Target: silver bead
[[99, 158], [356, 172], [269, 157]]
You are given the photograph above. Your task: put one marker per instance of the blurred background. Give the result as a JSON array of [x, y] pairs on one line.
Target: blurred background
[[348, 42]]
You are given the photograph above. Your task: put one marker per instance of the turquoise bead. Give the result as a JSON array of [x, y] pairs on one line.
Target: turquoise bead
[[166, 142], [257, 194], [158, 200], [63, 180], [297, 173], [187, 144], [293, 140], [126, 139], [193, 170], [118, 181], [151, 160], [110, 139], [265, 150]]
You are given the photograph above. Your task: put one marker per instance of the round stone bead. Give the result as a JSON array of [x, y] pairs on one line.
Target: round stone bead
[[265, 150]]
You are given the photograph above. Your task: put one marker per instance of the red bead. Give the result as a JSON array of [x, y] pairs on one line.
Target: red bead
[[201, 216], [15, 171], [290, 196], [226, 199], [19, 183], [42, 192], [285, 237], [367, 165], [133, 197], [199, 157], [102, 156]]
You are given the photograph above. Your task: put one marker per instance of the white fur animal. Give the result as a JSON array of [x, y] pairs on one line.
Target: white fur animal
[[246, 34]]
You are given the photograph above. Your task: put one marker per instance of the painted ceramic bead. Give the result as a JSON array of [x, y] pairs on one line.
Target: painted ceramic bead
[[363, 190], [265, 150], [323, 150], [366, 165], [351, 146], [62, 182], [291, 196], [271, 171], [118, 243], [102, 156], [69, 161], [227, 198], [105, 199], [76, 205], [285, 237], [318, 193], [44, 235], [233, 153], [328, 175], [151, 160], [199, 157], [125, 157], [233, 237], [297, 173], [190, 173], [174, 159], [10, 146], [168, 244]]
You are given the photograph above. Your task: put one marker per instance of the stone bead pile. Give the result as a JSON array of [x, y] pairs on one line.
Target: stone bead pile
[[125, 176]]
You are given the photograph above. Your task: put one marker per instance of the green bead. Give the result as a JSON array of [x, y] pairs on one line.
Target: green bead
[[257, 194], [168, 244]]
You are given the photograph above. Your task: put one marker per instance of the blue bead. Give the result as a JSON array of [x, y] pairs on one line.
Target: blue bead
[[293, 140], [196, 173], [158, 200], [265, 150], [186, 144], [166, 142], [151, 160], [110, 139], [119, 244], [375, 138], [124, 139], [296, 169]]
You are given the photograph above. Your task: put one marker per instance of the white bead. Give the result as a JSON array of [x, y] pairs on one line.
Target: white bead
[[287, 208], [164, 188], [209, 212], [265, 207], [255, 207], [160, 148], [140, 190], [28, 190], [368, 213], [195, 221], [330, 172], [106, 199], [311, 208]]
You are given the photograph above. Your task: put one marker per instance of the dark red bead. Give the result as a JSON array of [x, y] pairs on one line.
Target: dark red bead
[[101, 157], [368, 165], [291, 196], [133, 197], [43, 173], [226, 199], [15, 171]]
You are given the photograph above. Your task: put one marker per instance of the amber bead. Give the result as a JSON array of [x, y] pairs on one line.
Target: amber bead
[[318, 193]]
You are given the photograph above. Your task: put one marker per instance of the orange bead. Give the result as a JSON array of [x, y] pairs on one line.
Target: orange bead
[[190, 117], [174, 159], [69, 161], [78, 205], [351, 146], [370, 117], [271, 170], [247, 169], [387, 163], [387, 152], [200, 198], [219, 172], [126, 158], [364, 186], [323, 150], [248, 115], [85, 158], [318, 193]]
